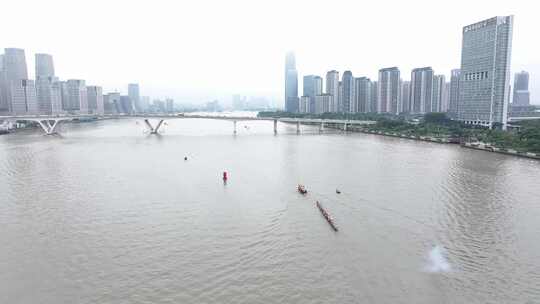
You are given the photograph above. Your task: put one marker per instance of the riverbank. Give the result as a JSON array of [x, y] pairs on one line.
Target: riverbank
[[446, 140], [468, 145], [524, 137], [489, 148], [439, 140]]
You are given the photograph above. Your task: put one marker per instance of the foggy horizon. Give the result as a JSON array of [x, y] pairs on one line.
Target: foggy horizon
[[211, 50]]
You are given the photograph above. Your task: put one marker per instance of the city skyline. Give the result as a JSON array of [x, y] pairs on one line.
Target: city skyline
[[242, 55], [478, 93], [31, 96], [49, 94]]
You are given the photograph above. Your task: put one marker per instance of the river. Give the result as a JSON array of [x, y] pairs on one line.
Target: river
[[108, 214]]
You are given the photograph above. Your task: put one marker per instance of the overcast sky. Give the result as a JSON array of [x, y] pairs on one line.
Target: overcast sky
[[199, 50]]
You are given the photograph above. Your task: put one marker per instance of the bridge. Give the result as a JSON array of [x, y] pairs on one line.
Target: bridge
[[50, 123], [523, 118]]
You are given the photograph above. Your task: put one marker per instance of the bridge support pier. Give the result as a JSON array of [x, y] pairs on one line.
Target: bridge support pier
[[234, 124], [151, 128], [275, 126], [298, 127], [47, 127]]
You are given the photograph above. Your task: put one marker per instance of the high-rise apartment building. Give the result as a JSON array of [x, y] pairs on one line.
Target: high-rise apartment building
[[15, 64], [145, 103], [485, 72], [4, 105], [291, 84], [374, 96], [49, 95], [388, 90], [134, 95], [521, 89], [111, 103], [169, 105], [322, 103], [421, 90], [340, 96], [332, 88], [405, 106], [239, 102], [95, 100], [75, 97], [439, 86], [44, 66], [159, 106], [348, 104], [303, 104], [14, 70], [126, 105], [453, 94], [446, 98], [23, 97], [312, 87], [362, 89]]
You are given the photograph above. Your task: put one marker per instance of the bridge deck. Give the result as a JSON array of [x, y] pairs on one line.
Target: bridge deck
[[150, 116]]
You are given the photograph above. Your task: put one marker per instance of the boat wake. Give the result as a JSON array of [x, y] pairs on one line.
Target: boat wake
[[436, 261]]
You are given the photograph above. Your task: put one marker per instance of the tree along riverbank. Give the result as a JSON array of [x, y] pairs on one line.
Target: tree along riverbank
[[437, 127]]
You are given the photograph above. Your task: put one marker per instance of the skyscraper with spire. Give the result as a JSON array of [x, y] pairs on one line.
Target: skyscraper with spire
[[291, 84]]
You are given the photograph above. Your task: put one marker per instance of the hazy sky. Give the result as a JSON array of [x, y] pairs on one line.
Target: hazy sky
[[198, 50]]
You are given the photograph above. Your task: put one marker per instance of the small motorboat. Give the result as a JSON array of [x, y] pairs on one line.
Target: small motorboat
[[337, 191], [302, 189]]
